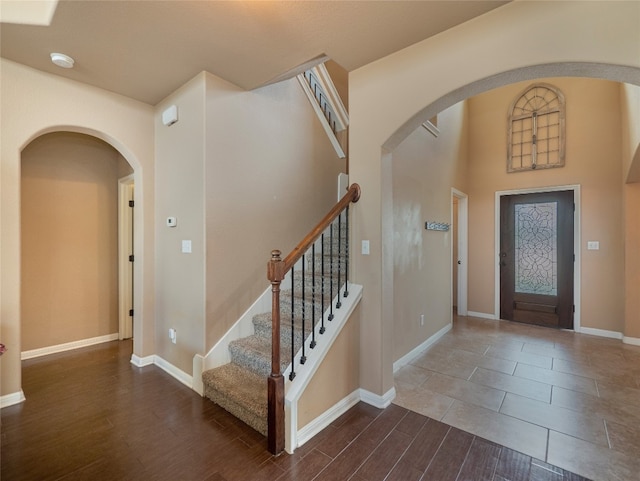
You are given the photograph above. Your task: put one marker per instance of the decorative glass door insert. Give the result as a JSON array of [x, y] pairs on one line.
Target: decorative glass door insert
[[536, 267]]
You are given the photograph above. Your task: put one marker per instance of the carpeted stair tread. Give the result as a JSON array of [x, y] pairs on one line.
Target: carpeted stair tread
[[240, 387], [240, 392], [254, 353]]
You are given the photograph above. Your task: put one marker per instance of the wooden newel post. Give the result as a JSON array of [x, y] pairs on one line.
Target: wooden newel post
[[275, 383]]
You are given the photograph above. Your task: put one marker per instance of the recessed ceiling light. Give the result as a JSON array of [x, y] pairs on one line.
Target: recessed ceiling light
[[62, 60]]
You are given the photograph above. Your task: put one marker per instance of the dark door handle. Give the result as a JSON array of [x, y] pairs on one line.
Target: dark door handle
[[459, 262]]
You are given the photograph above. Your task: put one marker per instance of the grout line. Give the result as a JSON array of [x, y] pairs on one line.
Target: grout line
[[453, 400], [606, 430], [502, 402], [546, 455], [472, 373], [466, 456], [435, 454]]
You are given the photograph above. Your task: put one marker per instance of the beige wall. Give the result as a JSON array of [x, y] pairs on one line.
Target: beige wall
[[425, 168], [337, 376], [180, 193], [34, 103], [389, 98], [271, 176], [593, 161], [243, 173], [69, 227]]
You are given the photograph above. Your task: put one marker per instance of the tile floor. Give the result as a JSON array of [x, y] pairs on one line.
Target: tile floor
[[572, 400]]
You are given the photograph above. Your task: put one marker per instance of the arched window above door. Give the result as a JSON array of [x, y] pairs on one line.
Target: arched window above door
[[536, 129]]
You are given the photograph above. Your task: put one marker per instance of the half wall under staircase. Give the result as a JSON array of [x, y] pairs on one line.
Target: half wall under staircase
[[312, 299]]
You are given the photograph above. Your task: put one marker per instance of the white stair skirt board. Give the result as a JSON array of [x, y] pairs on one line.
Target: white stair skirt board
[[166, 366], [634, 341], [68, 346], [11, 399], [304, 373], [341, 407], [326, 418], [219, 354], [416, 351]]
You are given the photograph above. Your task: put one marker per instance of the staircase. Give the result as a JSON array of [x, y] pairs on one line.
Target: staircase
[[306, 303]]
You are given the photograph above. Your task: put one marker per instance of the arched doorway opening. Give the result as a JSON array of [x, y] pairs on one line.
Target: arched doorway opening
[[620, 74], [70, 242]]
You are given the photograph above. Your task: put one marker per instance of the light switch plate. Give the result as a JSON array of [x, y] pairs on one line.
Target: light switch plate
[[186, 247], [365, 247], [593, 245]]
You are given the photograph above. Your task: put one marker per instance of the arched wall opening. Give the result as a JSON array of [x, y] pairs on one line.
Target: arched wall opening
[[69, 242], [34, 104], [622, 74]]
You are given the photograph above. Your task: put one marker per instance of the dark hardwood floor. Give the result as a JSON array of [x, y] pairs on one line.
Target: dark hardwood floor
[[91, 415]]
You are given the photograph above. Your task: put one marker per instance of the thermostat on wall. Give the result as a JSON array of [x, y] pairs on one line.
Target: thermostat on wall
[[172, 222]]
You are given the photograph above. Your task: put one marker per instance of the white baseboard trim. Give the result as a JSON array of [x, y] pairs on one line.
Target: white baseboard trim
[[634, 341], [482, 315], [376, 400], [416, 351], [327, 417], [172, 370], [68, 346], [142, 361], [601, 333], [198, 369], [166, 366], [11, 399]]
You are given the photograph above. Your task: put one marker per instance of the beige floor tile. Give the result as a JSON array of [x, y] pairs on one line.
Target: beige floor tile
[[465, 391], [444, 365], [589, 460], [567, 354], [477, 344], [517, 385], [580, 425], [586, 403], [513, 433], [410, 376], [426, 402], [618, 394], [595, 371], [591, 380], [624, 438], [492, 363], [545, 362], [506, 342], [568, 381]]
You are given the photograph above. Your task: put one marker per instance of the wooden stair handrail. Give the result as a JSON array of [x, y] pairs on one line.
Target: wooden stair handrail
[[276, 270]]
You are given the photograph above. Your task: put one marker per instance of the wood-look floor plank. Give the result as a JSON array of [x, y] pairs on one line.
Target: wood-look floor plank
[[348, 461], [385, 457], [481, 461], [91, 415], [513, 465], [450, 456]]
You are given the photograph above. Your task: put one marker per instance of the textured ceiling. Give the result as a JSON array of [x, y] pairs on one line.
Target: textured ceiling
[[146, 49]]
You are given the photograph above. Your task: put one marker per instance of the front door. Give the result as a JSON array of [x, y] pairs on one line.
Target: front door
[[536, 258]]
